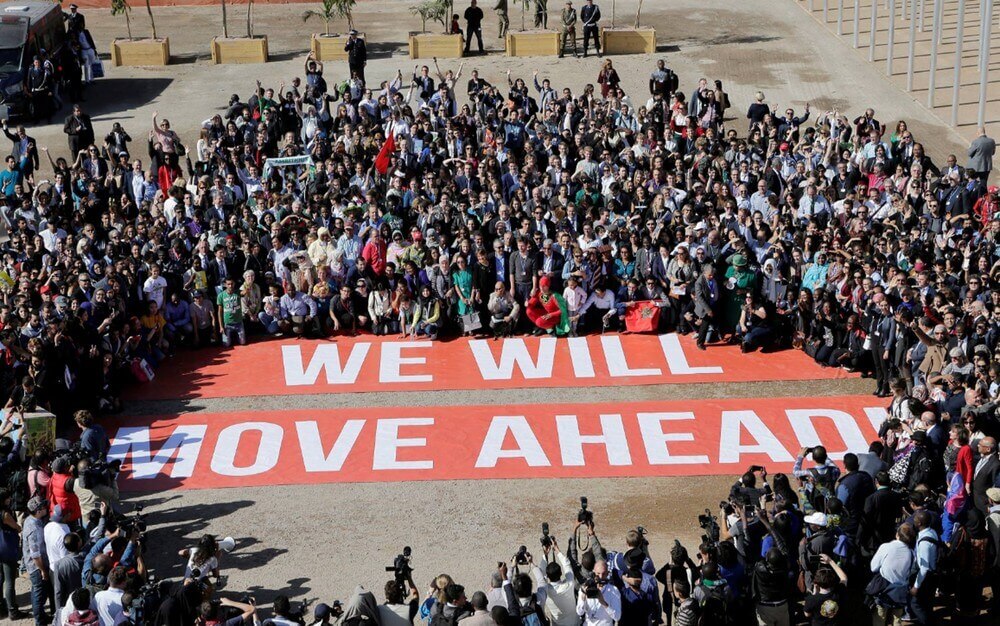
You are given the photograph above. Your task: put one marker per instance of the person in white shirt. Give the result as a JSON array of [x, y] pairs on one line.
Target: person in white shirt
[[109, 601], [55, 532], [559, 586], [606, 607], [155, 286]]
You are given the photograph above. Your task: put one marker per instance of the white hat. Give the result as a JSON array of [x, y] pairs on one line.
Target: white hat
[[816, 519], [228, 544], [701, 226]]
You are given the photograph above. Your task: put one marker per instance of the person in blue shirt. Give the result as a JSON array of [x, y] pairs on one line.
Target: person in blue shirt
[[13, 175], [97, 565], [93, 439]]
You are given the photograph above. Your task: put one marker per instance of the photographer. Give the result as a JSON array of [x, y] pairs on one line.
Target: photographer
[[583, 559], [218, 613], [61, 494], [680, 568], [817, 483], [96, 484], [817, 543], [522, 601], [559, 586], [770, 589], [203, 559], [598, 602], [98, 564]]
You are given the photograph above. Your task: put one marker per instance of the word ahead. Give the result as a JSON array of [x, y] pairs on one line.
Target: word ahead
[[441, 443], [370, 363]]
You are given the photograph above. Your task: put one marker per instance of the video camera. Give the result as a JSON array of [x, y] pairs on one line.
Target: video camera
[[710, 524], [592, 586], [585, 516], [136, 522], [401, 568], [521, 558], [142, 610], [546, 540]]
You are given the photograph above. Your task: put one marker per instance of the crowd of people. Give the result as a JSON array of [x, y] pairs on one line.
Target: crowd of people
[[436, 205]]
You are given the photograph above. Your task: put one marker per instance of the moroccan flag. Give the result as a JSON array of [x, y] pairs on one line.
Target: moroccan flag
[[642, 316], [382, 160]]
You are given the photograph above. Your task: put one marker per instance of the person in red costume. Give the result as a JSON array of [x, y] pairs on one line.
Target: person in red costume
[[547, 310]]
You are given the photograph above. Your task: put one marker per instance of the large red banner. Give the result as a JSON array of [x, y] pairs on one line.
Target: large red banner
[[680, 438], [370, 363]]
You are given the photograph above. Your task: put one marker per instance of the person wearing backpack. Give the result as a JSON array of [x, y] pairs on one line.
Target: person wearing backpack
[[818, 482], [455, 607], [925, 581], [522, 600], [713, 596]]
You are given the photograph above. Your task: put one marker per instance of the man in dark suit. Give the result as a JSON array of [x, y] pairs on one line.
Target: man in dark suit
[[550, 263], [853, 489], [79, 129], [219, 269], [878, 518], [132, 181], [985, 474], [75, 22], [706, 297], [357, 55], [937, 435]]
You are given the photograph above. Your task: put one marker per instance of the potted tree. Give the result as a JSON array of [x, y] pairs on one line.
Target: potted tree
[[249, 49], [635, 40], [424, 45], [132, 51], [329, 46], [531, 43]]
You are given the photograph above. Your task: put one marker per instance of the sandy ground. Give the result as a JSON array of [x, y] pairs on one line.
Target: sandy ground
[[319, 541], [752, 45]]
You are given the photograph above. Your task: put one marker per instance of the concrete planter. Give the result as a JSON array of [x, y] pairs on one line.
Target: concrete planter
[[533, 43], [330, 48], [427, 45], [239, 50], [628, 40], [140, 52]]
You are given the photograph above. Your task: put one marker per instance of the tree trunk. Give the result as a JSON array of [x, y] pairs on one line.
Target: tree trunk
[[152, 22], [612, 13], [523, 8], [637, 11], [250, 19], [128, 25], [327, 20], [225, 23], [350, 21]]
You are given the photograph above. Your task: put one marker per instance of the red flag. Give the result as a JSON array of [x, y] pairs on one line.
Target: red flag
[[382, 160], [642, 316]]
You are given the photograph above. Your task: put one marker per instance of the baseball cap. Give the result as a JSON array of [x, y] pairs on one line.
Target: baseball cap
[[956, 351], [816, 519], [37, 504]]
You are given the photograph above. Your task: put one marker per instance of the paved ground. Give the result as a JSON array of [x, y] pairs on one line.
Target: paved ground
[[318, 541]]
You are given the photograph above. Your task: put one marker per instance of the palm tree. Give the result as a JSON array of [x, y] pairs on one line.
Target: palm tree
[[121, 7], [152, 22], [637, 11], [434, 10], [332, 9]]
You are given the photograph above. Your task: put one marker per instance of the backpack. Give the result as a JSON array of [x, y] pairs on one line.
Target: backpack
[[945, 565], [531, 614], [713, 609], [17, 484], [823, 488]]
